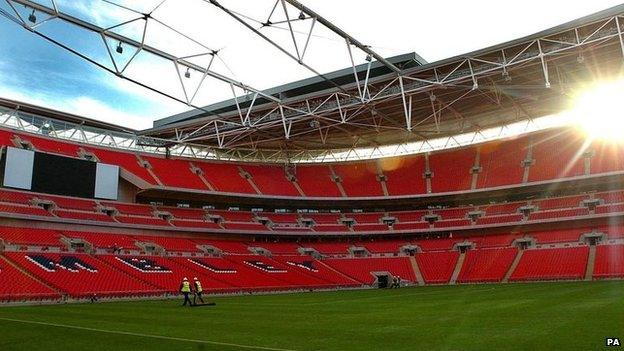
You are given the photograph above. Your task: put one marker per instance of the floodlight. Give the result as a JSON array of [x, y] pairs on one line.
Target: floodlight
[[32, 18]]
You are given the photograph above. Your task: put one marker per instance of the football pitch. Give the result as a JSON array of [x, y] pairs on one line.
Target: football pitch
[[537, 316]]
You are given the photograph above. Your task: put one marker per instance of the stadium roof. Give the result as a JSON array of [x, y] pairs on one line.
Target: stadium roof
[[522, 79]]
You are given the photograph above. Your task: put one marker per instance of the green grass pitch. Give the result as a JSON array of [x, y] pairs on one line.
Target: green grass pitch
[[537, 316]]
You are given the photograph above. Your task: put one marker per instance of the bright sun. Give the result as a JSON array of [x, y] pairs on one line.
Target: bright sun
[[599, 111]]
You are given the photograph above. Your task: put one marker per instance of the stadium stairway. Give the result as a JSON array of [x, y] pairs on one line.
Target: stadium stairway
[[513, 266], [201, 176], [249, 178], [417, 273], [591, 260], [458, 267], [149, 170], [30, 275]]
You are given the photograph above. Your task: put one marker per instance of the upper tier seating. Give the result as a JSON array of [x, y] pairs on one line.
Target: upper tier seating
[[175, 173], [552, 264], [556, 155], [316, 181], [225, 177], [451, 170], [271, 180], [607, 157], [127, 161], [359, 179], [500, 164], [404, 175], [486, 265]]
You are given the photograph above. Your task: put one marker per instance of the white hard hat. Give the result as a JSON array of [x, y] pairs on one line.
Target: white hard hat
[[185, 278], [195, 278]]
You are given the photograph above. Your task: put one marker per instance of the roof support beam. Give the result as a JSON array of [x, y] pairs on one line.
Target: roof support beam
[[343, 34], [105, 32]]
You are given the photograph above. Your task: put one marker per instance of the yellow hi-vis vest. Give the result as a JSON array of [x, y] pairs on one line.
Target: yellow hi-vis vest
[[198, 286], [186, 287]]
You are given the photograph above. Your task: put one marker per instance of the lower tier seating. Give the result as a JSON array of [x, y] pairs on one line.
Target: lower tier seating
[[609, 261], [362, 269], [17, 285], [437, 267], [552, 264], [79, 275], [486, 265]]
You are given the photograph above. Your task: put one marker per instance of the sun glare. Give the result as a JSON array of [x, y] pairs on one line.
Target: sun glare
[[599, 111]]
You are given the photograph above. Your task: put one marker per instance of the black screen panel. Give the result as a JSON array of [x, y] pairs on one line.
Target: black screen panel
[[60, 175]]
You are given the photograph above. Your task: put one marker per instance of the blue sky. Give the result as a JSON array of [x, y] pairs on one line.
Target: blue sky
[[35, 71]]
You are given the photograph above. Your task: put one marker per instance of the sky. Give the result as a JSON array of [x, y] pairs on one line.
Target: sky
[[36, 71]]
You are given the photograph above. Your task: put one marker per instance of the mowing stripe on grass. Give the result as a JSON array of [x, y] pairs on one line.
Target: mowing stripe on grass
[[144, 335]]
